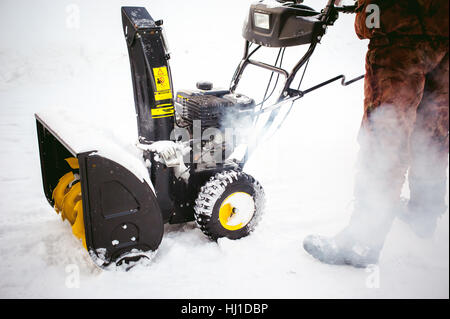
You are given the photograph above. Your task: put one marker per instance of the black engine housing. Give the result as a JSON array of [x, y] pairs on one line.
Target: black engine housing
[[219, 109]]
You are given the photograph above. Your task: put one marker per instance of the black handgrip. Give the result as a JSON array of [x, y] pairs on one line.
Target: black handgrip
[[352, 80], [347, 9]]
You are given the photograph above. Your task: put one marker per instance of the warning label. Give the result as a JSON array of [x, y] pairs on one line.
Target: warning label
[[163, 110], [163, 90]]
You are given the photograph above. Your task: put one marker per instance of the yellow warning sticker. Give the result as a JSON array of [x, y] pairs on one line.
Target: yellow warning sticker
[[160, 96], [163, 111], [163, 90], [161, 79]]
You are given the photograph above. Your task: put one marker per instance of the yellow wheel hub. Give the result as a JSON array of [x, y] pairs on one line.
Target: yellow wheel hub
[[236, 211]]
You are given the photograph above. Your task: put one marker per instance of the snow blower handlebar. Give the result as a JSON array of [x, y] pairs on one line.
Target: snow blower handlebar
[[313, 25], [318, 86], [283, 26], [296, 94]]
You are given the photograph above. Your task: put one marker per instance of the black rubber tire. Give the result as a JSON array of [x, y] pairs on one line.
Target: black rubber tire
[[215, 191]]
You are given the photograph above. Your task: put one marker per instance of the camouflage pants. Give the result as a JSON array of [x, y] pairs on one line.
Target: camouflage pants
[[405, 123]]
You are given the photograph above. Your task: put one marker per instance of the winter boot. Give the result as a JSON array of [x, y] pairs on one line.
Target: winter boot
[[426, 205], [341, 250], [359, 244]]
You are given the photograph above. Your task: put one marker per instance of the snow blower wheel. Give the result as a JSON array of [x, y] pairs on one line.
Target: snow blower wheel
[[229, 205]]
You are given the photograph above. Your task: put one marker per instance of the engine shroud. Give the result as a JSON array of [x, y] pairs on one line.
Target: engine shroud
[[219, 109]]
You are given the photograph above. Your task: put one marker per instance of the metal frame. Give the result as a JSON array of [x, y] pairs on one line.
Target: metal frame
[[328, 16], [289, 76]]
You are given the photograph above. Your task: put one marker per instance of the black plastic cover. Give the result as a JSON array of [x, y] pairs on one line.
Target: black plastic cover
[[148, 56], [153, 92], [285, 24], [121, 213]]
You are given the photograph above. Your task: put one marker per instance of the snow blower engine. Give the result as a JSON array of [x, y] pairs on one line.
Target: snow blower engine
[[194, 143]]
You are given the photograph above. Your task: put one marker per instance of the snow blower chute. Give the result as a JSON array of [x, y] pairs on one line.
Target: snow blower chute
[[191, 142]]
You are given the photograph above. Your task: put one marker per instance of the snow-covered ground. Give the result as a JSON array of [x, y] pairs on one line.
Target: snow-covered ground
[[69, 58]]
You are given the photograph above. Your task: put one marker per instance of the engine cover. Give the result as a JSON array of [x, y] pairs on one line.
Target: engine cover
[[214, 108]]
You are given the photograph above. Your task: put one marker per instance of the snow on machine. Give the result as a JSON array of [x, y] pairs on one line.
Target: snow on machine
[[190, 142]]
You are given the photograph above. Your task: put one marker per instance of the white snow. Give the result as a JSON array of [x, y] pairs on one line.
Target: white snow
[[80, 75]]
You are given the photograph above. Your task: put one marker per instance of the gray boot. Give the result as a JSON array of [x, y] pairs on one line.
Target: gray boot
[[341, 250], [426, 206], [359, 244], [378, 181], [422, 223]]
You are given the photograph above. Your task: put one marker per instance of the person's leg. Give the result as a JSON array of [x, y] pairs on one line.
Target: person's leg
[[393, 87], [429, 153]]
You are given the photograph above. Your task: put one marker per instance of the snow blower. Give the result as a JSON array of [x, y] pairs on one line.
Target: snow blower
[[196, 169]]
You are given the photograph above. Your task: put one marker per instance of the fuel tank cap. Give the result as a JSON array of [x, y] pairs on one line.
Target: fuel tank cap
[[203, 85]]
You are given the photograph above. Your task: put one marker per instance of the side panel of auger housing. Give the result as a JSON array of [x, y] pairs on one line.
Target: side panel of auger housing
[[120, 212], [52, 153]]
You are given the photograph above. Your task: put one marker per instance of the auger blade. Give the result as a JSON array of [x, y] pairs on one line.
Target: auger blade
[[78, 225], [73, 162], [61, 189], [72, 197]]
